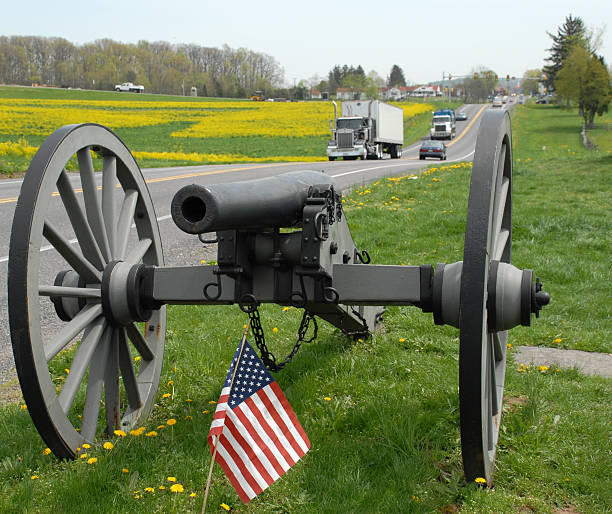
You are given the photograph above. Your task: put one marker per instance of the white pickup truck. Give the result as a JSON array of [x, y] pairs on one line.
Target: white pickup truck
[[128, 86]]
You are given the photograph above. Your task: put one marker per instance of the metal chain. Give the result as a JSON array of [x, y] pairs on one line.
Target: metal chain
[[268, 357]]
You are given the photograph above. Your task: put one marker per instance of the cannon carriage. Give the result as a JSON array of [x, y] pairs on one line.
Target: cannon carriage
[[283, 240]]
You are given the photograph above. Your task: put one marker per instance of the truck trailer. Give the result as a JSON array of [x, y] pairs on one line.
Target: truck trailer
[[366, 130]]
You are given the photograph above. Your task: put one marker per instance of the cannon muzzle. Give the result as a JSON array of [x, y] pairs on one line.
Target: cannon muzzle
[[269, 202]]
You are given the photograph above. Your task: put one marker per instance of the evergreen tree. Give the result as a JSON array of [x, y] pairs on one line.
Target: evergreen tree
[[396, 77], [570, 33]]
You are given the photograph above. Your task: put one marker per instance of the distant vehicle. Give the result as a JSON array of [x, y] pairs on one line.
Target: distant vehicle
[[443, 124], [497, 101], [129, 87], [433, 149], [461, 116], [366, 130], [504, 99], [258, 96]]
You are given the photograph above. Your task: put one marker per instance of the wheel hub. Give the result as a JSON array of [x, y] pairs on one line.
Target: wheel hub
[[122, 284], [512, 295]]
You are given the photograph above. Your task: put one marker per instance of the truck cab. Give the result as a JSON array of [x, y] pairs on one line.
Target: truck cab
[[443, 124]]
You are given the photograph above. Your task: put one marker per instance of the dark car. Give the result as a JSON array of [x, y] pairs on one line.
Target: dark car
[[461, 116], [433, 148]]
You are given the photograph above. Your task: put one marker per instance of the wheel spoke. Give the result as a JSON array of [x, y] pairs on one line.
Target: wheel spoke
[[94, 387], [124, 223], [69, 292], [500, 244], [127, 372], [92, 203], [72, 329], [493, 389], [139, 342], [138, 252], [109, 181], [111, 384], [75, 258], [80, 363], [81, 228]]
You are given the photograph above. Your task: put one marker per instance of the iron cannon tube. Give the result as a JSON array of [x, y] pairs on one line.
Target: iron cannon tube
[[261, 203]]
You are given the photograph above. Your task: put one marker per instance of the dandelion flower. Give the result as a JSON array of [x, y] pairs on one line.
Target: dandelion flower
[[46, 451], [152, 433], [171, 422], [92, 460], [204, 412], [177, 488], [480, 480], [119, 433], [225, 506], [162, 487], [23, 407], [558, 340], [108, 445], [137, 358], [171, 479], [149, 489], [192, 495], [275, 330], [542, 368], [170, 382], [212, 402], [125, 470], [34, 477], [402, 340], [188, 400], [86, 446], [160, 427], [83, 455], [187, 418], [327, 399], [166, 395]]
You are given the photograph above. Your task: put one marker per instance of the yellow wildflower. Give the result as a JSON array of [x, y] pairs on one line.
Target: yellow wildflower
[[46, 451], [92, 460], [119, 433], [166, 395], [108, 445], [171, 422], [149, 489], [34, 477], [162, 487], [225, 506], [137, 358], [327, 399], [86, 446], [171, 479], [152, 433], [192, 495], [23, 407], [83, 456], [275, 330], [125, 470], [480, 480], [402, 340], [176, 488]]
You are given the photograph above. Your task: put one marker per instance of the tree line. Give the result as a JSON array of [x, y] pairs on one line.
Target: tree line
[[160, 66]]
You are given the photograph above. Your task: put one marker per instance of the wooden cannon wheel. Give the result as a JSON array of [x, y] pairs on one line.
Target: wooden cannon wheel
[[482, 352], [66, 408]]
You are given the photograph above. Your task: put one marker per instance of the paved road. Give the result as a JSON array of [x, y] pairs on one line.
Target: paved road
[[182, 249]]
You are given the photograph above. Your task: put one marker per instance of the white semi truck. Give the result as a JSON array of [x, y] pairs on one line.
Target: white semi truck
[[366, 130], [443, 124]]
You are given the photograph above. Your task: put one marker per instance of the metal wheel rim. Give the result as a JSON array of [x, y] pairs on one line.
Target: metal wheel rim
[[482, 354], [103, 235]]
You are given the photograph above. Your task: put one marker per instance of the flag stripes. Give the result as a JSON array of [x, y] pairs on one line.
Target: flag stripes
[[260, 439]]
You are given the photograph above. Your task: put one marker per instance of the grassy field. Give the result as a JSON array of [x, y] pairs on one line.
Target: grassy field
[[382, 414], [175, 131]]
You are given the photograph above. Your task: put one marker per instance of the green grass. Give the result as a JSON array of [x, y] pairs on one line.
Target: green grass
[[388, 441]]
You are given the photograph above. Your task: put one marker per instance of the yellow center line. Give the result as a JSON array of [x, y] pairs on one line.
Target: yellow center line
[[469, 125], [13, 199]]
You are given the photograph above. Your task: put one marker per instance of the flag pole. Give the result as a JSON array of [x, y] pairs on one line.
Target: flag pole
[[212, 461]]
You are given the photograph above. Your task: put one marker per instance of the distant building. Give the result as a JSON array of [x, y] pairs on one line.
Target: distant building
[[315, 95], [349, 93]]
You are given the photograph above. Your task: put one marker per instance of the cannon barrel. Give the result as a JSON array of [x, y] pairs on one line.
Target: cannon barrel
[[261, 203]]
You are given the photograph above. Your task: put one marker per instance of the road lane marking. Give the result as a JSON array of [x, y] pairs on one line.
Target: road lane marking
[[469, 125]]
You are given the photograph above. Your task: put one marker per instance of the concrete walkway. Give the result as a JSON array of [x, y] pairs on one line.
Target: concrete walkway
[[589, 363]]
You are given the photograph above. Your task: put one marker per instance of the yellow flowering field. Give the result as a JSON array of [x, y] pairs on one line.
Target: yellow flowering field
[[177, 132]]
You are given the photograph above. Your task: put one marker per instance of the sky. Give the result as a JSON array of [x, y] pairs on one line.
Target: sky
[[426, 39]]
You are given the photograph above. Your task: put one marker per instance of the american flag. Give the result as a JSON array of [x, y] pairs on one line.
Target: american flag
[[260, 437]]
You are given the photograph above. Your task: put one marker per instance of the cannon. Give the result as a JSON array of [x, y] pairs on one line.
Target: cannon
[[283, 240]]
